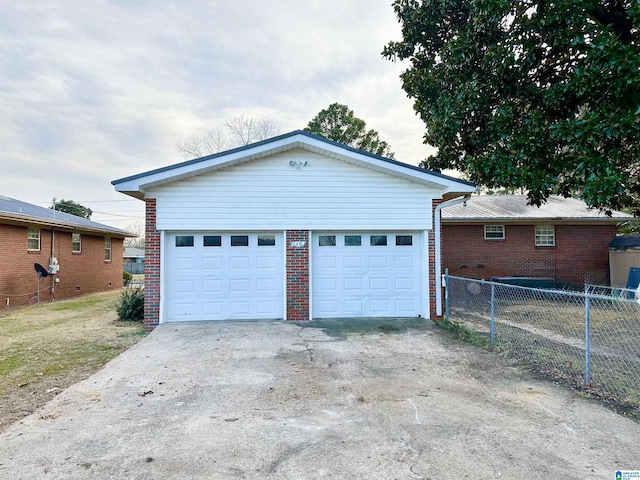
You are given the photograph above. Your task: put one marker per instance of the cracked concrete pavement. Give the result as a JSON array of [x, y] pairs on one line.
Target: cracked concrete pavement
[[276, 400]]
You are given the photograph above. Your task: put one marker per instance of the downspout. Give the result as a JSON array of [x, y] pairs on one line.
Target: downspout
[[438, 246]]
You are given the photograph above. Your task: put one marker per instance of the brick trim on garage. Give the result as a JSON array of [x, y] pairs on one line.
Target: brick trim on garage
[[151, 266], [431, 255], [297, 274]]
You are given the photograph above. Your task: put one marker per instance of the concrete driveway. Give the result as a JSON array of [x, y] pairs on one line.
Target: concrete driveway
[[275, 400]]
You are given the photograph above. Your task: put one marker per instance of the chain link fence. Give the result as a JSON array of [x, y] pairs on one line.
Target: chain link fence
[[590, 338]]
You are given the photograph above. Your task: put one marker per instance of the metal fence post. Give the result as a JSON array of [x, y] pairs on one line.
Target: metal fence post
[[446, 294], [493, 312], [587, 342]]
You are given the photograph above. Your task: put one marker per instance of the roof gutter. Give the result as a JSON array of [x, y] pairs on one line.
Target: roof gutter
[[20, 219], [438, 242]]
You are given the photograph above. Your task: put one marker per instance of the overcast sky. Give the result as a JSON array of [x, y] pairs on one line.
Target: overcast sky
[[93, 91]]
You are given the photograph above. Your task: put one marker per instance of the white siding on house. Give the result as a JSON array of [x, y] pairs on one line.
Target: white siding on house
[[270, 193]]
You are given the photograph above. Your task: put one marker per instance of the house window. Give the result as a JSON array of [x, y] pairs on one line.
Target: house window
[[76, 243], [327, 241], [212, 241], [33, 239], [378, 240], [107, 249], [545, 236], [494, 232], [352, 240]]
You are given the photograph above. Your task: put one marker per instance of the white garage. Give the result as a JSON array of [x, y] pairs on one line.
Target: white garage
[[223, 276], [373, 274], [294, 227]]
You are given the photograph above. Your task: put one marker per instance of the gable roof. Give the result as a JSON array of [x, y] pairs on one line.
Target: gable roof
[[17, 212], [514, 209], [137, 185]]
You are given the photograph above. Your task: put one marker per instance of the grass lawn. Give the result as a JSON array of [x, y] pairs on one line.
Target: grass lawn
[[46, 348]]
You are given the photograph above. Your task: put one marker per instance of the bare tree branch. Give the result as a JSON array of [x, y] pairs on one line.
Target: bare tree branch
[[211, 142], [137, 228], [240, 131]]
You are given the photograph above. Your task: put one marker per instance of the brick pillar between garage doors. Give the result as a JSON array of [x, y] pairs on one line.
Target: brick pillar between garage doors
[[151, 267], [297, 274]]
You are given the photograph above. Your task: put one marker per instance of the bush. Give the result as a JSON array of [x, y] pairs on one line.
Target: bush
[[130, 305], [126, 278]]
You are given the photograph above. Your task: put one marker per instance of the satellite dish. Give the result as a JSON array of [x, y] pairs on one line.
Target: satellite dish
[[40, 270]]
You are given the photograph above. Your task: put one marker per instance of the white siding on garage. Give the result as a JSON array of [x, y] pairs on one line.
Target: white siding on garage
[[270, 193]]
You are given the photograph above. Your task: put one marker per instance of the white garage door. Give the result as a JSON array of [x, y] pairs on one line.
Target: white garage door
[[366, 275], [223, 276]]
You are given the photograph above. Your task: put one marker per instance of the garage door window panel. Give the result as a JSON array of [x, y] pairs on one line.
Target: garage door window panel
[[212, 241], [404, 240], [353, 240], [327, 241], [266, 240], [184, 241], [378, 240], [239, 240]]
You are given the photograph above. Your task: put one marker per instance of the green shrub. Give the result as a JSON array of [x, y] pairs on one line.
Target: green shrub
[[464, 333], [126, 278], [130, 305]]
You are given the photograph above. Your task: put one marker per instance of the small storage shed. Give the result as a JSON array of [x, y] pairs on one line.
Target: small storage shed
[[624, 254]]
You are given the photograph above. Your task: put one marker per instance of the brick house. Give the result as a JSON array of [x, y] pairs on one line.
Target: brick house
[[86, 254], [294, 227], [501, 236]]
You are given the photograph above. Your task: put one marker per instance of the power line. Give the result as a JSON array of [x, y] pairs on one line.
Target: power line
[[116, 214]]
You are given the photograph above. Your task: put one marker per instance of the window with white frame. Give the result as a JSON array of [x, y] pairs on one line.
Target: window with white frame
[[76, 243], [107, 249], [494, 232], [545, 236], [33, 239]]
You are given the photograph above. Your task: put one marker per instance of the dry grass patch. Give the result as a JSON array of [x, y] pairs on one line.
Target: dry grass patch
[[46, 348]]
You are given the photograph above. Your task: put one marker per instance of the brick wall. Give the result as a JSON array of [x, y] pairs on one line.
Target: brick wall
[[297, 275], [580, 255], [79, 274], [151, 266]]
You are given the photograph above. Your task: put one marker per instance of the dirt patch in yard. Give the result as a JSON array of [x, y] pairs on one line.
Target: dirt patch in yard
[[46, 348]]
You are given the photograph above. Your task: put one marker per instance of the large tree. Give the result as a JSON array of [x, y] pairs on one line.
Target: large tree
[[535, 94], [71, 207], [337, 122]]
